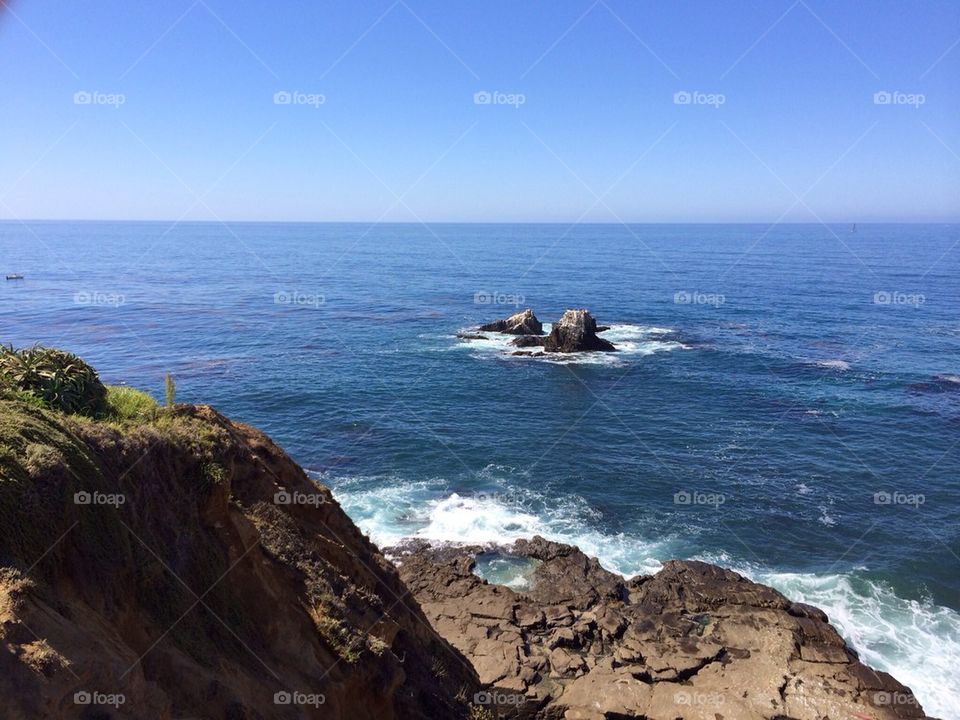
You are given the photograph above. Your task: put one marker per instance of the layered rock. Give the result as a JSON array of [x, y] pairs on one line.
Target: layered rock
[[187, 568], [521, 323], [693, 641], [576, 331]]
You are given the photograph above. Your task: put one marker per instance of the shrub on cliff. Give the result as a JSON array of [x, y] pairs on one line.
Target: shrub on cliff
[[127, 403], [60, 380]]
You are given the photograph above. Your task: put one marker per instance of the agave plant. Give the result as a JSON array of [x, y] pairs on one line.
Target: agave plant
[[61, 380]]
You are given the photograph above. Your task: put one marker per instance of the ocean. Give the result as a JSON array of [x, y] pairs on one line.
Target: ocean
[[785, 400]]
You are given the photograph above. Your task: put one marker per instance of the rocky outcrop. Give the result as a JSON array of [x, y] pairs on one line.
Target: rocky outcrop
[[187, 568], [576, 331], [693, 641], [522, 323]]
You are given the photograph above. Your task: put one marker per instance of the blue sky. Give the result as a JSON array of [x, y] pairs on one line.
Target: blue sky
[[782, 123]]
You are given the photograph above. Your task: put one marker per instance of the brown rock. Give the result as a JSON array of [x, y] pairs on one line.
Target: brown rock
[[694, 641], [203, 594], [521, 323], [576, 331]]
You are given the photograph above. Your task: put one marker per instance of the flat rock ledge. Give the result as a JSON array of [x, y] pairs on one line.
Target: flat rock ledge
[[693, 642]]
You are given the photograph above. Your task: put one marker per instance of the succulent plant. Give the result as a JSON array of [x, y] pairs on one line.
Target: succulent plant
[[61, 380]]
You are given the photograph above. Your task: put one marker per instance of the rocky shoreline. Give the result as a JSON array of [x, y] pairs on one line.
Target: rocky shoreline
[[694, 641]]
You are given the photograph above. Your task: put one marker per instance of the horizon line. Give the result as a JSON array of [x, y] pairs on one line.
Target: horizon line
[[614, 223]]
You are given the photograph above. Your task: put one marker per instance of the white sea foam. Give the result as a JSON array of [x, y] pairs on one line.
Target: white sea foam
[[831, 364], [916, 642], [389, 511], [919, 643]]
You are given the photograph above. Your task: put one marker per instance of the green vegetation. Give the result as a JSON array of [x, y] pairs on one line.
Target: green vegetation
[[169, 390], [126, 403], [60, 380], [36, 443], [64, 438], [342, 639]]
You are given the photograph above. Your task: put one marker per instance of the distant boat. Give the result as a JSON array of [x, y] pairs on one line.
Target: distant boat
[[14, 276], [854, 228]]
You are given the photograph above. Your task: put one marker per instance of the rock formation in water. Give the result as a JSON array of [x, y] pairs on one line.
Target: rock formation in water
[[694, 641], [522, 323], [576, 331]]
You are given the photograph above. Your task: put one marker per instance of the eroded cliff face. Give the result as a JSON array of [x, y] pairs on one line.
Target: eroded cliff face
[[187, 568], [694, 642]]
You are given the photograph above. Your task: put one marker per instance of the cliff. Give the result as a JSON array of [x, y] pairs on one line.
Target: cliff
[[186, 567]]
